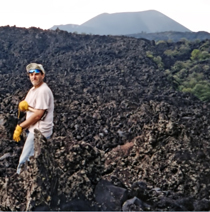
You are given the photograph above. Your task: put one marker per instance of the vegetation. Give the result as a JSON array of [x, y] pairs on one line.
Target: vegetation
[[199, 55], [156, 59], [189, 69]]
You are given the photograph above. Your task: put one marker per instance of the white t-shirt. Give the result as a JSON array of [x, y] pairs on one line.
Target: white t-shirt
[[41, 98]]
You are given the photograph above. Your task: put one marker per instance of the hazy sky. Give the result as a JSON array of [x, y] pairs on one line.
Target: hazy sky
[[193, 14]]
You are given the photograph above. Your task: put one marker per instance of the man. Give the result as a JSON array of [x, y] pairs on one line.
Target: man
[[39, 107]]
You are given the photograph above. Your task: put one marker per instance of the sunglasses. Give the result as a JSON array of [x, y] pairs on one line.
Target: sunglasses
[[34, 71]]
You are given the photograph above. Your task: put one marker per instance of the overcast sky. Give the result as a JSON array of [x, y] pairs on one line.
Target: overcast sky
[[193, 14]]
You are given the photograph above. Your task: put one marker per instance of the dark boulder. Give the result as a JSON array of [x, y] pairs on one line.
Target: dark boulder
[[135, 204], [110, 197], [78, 205]]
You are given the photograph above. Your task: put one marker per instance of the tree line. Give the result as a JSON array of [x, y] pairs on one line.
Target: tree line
[[186, 64]]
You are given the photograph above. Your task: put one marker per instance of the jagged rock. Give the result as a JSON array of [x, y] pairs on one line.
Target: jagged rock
[[6, 155], [117, 119], [78, 205], [135, 204], [109, 196], [7, 125], [42, 180], [80, 167], [180, 204], [139, 190], [201, 205], [36, 183]]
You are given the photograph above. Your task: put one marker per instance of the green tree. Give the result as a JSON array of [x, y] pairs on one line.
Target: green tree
[[158, 61], [190, 83], [202, 91], [184, 49], [187, 90], [206, 96], [206, 67], [195, 54], [204, 55], [195, 69], [171, 53], [149, 54], [183, 73], [205, 46], [178, 65], [160, 41]]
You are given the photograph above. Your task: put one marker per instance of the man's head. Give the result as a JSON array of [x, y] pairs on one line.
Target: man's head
[[36, 73], [33, 66]]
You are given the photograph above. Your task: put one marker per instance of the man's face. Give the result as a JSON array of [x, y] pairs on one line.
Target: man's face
[[36, 79]]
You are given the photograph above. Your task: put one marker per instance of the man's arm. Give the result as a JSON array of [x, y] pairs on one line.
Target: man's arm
[[36, 116]]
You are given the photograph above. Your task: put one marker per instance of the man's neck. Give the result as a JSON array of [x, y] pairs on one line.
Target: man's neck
[[38, 85]]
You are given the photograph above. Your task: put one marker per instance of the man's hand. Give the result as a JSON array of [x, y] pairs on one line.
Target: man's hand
[[17, 133], [23, 105]]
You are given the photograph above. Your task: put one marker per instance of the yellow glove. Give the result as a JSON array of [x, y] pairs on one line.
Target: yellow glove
[[23, 105], [17, 133]]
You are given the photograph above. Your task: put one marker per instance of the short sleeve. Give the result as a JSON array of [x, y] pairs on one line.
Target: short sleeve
[[43, 99]]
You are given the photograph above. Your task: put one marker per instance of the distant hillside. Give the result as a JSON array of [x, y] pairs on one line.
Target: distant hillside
[[150, 21], [173, 36]]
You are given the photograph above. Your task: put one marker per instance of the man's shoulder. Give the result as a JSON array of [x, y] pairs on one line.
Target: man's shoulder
[[45, 90], [44, 86]]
